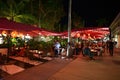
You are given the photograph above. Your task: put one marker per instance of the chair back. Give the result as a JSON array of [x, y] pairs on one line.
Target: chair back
[[86, 51]]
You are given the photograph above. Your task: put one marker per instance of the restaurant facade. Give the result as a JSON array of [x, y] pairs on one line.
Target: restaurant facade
[[115, 30]]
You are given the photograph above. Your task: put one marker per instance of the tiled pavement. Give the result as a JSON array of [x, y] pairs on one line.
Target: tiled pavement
[[40, 72], [103, 68], [18, 64]]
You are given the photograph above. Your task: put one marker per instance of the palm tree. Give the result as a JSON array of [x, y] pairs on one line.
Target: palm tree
[[102, 22], [77, 21], [14, 10], [45, 14], [50, 14]]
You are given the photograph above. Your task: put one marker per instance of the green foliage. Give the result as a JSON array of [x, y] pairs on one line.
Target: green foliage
[[44, 13], [14, 10], [33, 44], [20, 42], [40, 45], [102, 21], [51, 12], [77, 21]]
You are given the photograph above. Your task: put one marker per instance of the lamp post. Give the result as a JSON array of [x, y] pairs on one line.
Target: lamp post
[[69, 27]]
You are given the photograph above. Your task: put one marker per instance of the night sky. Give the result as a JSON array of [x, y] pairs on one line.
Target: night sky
[[91, 10]]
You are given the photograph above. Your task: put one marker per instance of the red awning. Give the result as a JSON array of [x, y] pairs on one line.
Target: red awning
[[83, 33], [6, 24], [88, 33]]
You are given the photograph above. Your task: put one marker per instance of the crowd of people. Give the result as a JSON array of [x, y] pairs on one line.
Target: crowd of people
[[85, 48]]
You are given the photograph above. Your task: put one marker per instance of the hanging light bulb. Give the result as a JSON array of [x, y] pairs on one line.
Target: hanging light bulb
[[14, 34], [78, 35], [4, 33]]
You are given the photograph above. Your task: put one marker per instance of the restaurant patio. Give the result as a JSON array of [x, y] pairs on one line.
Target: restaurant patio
[[24, 45]]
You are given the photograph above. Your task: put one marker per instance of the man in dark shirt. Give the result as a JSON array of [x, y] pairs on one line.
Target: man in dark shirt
[[111, 47]]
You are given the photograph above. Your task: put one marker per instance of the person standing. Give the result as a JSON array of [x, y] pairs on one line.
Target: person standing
[[57, 48], [107, 46], [111, 47]]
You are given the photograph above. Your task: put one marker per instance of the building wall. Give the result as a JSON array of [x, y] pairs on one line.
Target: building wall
[[118, 43], [115, 29]]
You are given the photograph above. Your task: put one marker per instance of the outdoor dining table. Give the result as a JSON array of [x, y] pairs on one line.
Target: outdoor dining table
[[94, 51], [36, 53]]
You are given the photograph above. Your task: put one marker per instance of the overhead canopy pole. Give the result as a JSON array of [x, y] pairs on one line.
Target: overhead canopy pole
[[69, 27]]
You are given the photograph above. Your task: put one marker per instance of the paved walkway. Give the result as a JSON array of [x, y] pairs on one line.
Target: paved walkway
[[103, 68], [40, 72]]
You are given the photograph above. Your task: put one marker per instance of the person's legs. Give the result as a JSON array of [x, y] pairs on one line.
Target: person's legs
[[91, 56], [111, 52], [55, 52], [77, 51]]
